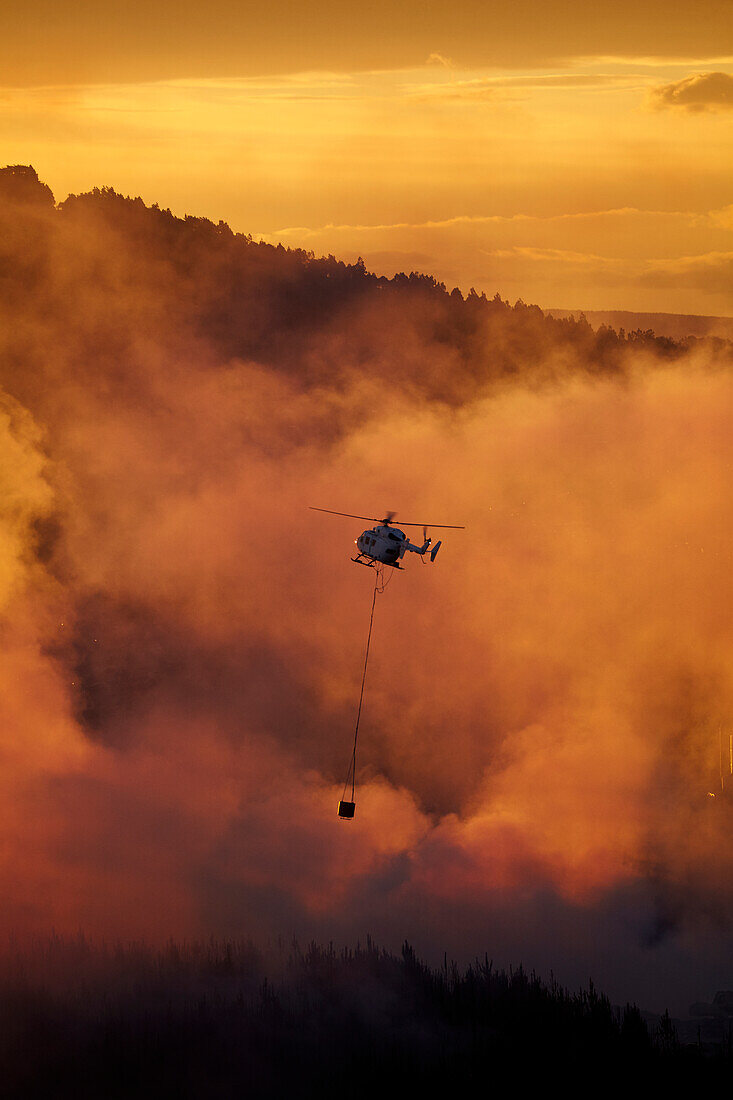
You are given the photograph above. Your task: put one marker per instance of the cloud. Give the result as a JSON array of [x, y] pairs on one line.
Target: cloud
[[712, 272], [439, 59], [478, 88], [699, 92], [471, 90]]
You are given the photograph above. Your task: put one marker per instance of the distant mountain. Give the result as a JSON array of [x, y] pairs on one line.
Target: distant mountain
[[672, 325]]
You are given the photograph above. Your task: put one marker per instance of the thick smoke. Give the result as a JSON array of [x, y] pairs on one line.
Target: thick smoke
[[183, 638]]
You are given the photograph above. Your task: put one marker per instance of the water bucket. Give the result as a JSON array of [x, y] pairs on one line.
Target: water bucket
[[346, 809]]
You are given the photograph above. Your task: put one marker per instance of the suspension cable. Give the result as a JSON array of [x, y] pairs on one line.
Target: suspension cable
[[351, 773]]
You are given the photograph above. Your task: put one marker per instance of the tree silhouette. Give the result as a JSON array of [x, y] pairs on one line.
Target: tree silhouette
[[19, 183]]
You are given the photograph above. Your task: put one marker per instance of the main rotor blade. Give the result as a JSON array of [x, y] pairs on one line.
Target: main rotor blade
[[388, 519], [349, 515], [443, 526]]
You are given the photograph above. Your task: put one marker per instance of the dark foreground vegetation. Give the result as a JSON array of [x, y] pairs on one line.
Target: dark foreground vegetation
[[224, 1019]]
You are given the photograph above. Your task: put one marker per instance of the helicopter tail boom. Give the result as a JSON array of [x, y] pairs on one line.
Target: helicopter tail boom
[[417, 549]]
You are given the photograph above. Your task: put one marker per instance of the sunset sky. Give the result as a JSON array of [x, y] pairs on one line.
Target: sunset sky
[[574, 156]]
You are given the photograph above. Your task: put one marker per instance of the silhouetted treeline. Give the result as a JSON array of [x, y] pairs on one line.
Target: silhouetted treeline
[[223, 1019], [100, 273]]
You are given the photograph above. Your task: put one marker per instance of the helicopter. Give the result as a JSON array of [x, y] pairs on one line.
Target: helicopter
[[386, 544]]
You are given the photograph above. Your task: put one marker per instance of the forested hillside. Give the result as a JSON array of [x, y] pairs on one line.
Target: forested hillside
[[107, 273], [216, 1019]]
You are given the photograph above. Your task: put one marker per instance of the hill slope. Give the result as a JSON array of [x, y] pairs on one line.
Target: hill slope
[[106, 270]]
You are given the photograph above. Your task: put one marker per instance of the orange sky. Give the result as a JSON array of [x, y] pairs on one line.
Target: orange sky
[[58, 41], [573, 161]]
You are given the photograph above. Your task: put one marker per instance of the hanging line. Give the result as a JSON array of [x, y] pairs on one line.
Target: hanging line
[[352, 766]]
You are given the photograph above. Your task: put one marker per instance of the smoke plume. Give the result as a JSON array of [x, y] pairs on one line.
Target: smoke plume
[[183, 638]]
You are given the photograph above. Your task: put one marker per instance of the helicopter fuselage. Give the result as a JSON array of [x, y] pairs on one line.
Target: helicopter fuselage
[[386, 545]]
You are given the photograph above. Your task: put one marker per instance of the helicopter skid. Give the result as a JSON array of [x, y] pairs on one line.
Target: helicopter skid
[[372, 563]]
